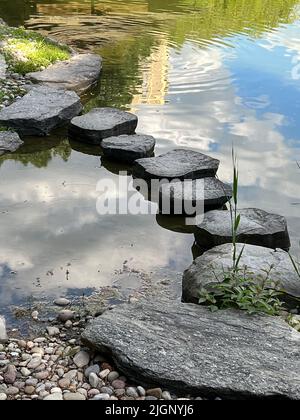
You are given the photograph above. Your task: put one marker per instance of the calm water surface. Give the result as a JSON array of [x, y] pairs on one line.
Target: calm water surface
[[199, 74]]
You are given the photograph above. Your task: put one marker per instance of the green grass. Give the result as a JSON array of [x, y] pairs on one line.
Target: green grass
[[27, 51]]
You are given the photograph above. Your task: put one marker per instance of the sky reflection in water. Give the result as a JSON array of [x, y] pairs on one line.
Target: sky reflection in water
[[197, 76]]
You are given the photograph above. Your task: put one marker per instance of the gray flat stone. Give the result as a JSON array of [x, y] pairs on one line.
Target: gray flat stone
[[101, 123], [209, 268], [181, 196], [9, 142], [78, 74], [3, 67], [257, 227], [188, 348], [41, 110], [128, 148], [177, 164], [3, 333]]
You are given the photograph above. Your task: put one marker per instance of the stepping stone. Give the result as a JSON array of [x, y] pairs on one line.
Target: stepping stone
[[181, 196], [177, 164], [9, 142], [3, 67], [128, 148], [210, 268], [101, 123], [41, 110], [257, 227], [188, 348], [77, 74]]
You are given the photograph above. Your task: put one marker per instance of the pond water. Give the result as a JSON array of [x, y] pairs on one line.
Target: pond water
[[199, 74]]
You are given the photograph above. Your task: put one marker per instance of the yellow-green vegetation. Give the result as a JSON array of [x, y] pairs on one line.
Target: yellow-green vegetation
[[27, 51], [208, 19]]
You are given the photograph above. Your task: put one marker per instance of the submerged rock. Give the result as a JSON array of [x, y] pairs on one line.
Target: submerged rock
[[177, 164], [209, 268], [190, 349], [78, 74], [3, 333], [41, 110], [62, 302], [257, 227], [182, 197], [9, 142], [65, 315], [101, 123], [128, 148]]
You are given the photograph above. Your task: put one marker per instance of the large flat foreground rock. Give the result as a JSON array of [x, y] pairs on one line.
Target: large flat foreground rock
[[188, 348], [210, 267], [78, 74], [9, 142], [257, 227], [101, 123], [128, 148], [177, 164], [41, 110]]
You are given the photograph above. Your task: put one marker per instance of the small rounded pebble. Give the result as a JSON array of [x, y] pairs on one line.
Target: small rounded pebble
[[118, 384]]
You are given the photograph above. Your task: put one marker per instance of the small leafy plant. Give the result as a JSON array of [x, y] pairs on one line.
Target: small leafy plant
[[238, 287]]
